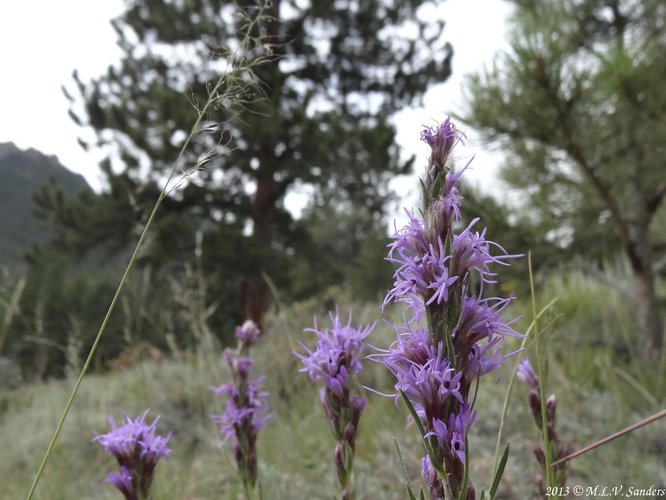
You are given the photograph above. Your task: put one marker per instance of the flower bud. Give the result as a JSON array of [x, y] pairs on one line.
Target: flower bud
[[251, 466], [349, 436], [441, 140], [540, 484], [340, 461], [358, 405], [535, 405], [552, 435], [538, 454], [440, 219], [551, 407], [431, 479]]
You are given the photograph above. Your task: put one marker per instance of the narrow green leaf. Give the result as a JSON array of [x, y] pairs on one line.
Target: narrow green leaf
[[435, 458], [408, 483], [422, 495], [416, 418], [542, 380], [483, 495], [499, 472], [411, 494]]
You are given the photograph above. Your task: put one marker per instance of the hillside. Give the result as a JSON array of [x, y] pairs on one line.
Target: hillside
[[22, 173], [295, 450]]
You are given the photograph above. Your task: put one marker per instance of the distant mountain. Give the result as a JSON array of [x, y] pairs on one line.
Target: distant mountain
[[21, 174]]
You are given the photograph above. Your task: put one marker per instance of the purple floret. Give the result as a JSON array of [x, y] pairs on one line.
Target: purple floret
[[429, 385], [132, 438], [137, 449], [471, 250], [339, 346], [123, 481], [245, 411]]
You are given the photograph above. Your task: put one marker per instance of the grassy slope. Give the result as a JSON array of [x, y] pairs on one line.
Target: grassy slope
[[295, 450]]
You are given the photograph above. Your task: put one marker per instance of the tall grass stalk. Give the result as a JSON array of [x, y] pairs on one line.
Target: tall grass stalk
[[540, 370], [231, 86], [505, 405]]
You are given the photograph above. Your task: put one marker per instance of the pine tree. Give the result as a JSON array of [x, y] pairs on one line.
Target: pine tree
[[579, 107], [340, 70]]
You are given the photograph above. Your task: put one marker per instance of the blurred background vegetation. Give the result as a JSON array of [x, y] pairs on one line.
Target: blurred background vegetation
[[576, 106]]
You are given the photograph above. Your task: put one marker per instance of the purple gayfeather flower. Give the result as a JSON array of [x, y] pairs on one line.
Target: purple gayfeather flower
[[137, 449], [526, 374], [340, 346], [451, 436], [557, 448], [246, 411], [435, 365], [472, 251], [334, 361], [441, 139], [430, 386], [247, 333]]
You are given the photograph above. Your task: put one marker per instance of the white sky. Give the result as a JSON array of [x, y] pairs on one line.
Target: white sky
[[43, 41]]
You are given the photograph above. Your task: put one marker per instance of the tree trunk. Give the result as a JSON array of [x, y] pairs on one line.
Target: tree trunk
[[257, 293], [639, 250], [648, 317]]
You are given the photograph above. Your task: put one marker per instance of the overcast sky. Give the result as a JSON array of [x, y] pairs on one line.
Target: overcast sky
[[43, 41]]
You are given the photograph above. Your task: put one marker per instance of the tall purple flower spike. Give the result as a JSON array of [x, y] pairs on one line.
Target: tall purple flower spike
[[334, 362], [246, 411], [137, 449], [438, 268]]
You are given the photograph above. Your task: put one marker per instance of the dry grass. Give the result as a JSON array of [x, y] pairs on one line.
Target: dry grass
[[295, 450]]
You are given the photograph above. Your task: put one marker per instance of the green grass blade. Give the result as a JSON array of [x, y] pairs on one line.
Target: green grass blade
[[498, 473], [408, 483], [542, 384], [214, 96], [91, 354], [637, 386], [435, 458], [417, 420]]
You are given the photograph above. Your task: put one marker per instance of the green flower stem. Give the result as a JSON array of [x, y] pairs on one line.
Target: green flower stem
[[91, 354], [540, 370]]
